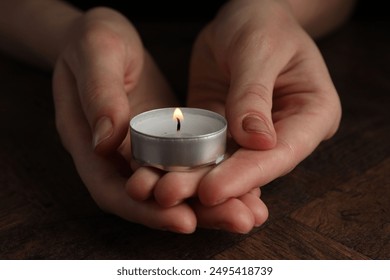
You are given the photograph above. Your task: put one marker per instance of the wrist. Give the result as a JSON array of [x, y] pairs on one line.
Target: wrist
[[317, 17], [35, 30], [320, 17], [61, 33]]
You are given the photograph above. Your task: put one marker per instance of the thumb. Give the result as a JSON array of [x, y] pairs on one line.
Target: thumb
[[105, 102], [249, 105], [109, 119]]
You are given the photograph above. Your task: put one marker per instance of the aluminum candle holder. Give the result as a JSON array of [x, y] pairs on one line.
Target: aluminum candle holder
[[174, 139]]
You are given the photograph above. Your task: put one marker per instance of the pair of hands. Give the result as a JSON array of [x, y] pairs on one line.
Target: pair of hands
[[253, 63]]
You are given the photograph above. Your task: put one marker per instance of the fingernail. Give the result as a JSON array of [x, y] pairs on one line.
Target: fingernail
[[103, 130], [254, 124]]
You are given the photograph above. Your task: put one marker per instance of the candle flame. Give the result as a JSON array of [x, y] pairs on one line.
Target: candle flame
[[178, 115]]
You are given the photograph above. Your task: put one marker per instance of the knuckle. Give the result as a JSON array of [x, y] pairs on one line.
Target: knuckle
[[288, 155], [97, 35], [92, 92], [258, 93], [250, 39]]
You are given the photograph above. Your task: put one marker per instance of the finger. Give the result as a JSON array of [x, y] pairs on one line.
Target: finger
[[110, 194], [105, 72], [179, 218], [254, 66], [104, 182], [175, 187], [232, 215], [256, 192], [141, 184], [256, 206], [246, 169], [69, 117]]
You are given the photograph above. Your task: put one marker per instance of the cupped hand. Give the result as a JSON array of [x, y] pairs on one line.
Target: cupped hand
[[103, 78], [256, 65], [236, 214]]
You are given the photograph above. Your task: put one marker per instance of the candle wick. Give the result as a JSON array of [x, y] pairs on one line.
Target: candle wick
[[178, 124]]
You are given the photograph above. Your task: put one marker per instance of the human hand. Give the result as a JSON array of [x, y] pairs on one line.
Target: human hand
[[102, 78], [257, 66], [169, 189]]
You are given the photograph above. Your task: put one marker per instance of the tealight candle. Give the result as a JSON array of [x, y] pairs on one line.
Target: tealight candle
[[178, 139]]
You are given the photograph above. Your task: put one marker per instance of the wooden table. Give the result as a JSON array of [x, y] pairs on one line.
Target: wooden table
[[334, 205]]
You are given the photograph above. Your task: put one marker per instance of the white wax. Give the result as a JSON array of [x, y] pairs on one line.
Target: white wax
[[160, 123]]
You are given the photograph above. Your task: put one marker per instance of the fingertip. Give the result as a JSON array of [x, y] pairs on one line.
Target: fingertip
[[261, 216], [103, 130], [133, 192], [186, 223], [166, 194], [186, 228], [249, 113], [141, 184], [108, 114], [108, 135], [255, 132], [259, 132], [242, 221], [257, 207], [209, 193]]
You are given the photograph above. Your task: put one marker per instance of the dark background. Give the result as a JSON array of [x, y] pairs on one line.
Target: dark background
[[162, 24], [205, 10], [167, 11]]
